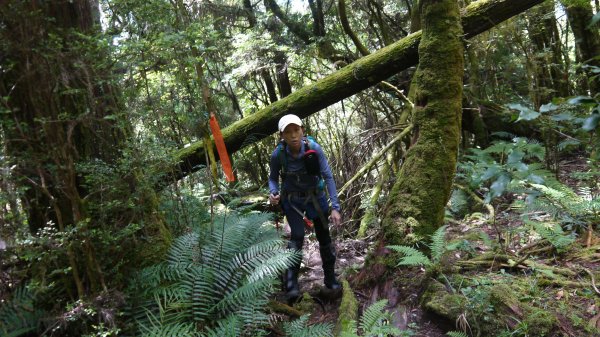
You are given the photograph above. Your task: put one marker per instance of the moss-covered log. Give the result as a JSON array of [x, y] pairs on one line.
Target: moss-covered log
[[361, 74], [424, 184], [509, 312]]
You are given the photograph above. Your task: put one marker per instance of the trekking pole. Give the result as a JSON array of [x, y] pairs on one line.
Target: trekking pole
[[278, 214]]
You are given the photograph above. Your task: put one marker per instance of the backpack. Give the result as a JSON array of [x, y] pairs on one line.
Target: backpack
[[310, 158]]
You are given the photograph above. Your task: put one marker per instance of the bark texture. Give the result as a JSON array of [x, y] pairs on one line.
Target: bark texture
[[359, 75], [417, 200], [62, 121], [587, 38]]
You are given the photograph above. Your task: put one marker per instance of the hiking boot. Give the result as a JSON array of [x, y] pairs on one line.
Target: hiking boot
[[328, 259], [292, 290]]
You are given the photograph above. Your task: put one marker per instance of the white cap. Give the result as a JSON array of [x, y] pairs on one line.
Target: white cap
[[287, 120]]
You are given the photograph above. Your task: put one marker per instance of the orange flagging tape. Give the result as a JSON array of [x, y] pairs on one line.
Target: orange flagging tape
[[221, 149]]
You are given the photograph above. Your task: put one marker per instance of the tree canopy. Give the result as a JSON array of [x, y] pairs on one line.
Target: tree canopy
[[461, 135]]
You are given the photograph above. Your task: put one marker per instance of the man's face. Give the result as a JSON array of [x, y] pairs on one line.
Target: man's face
[[292, 135]]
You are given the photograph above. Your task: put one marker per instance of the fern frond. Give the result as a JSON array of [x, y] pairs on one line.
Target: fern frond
[[299, 328], [456, 334], [412, 257], [228, 327], [554, 233], [19, 316], [372, 315], [487, 241], [275, 265], [498, 147], [438, 243], [172, 330], [376, 321], [246, 293], [184, 250], [210, 278]]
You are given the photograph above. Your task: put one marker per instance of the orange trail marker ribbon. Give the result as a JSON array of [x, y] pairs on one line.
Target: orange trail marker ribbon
[[221, 149]]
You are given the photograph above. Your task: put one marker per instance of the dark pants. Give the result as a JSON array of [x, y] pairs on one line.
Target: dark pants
[[305, 203]]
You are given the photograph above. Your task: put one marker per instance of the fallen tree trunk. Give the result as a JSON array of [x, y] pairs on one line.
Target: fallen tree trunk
[[359, 75]]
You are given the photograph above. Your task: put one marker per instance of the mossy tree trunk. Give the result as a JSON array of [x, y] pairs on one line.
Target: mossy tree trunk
[[479, 16], [587, 38], [549, 76], [416, 203], [64, 128]]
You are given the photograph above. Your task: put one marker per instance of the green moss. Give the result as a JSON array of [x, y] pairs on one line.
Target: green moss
[[490, 308], [531, 320], [577, 3], [348, 311], [424, 184], [306, 304], [436, 299]]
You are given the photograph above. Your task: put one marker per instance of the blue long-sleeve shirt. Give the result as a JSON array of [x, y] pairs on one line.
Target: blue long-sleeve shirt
[[303, 181]]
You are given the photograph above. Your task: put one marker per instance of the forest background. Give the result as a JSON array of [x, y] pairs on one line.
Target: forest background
[[462, 136]]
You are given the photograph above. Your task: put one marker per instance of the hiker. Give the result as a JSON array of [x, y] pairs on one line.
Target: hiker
[[304, 172]]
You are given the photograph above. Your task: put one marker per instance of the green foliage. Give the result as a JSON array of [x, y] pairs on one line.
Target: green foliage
[[220, 279], [504, 167], [300, 328], [20, 316], [414, 257], [456, 334], [554, 233], [182, 211], [375, 321], [438, 244], [564, 207]]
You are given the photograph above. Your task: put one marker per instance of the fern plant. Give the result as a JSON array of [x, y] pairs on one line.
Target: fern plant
[[19, 316], [563, 207], [300, 328], [413, 257], [215, 282], [456, 334], [374, 322]]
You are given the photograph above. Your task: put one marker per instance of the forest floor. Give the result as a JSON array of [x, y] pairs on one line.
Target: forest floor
[[560, 284]]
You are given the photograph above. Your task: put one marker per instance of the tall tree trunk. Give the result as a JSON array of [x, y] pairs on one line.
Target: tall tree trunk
[[62, 117], [587, 38], [417, 200], [548, 76]]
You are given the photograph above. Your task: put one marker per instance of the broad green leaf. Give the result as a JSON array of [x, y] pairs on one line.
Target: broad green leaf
[[562, 117], [591, 122], [492, 171], [581, 100], [499, 186], [548, 107], [525, 114], [534, 178], [515, 156]]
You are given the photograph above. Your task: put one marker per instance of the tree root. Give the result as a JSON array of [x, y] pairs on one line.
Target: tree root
[[283, 308], [501, 260], [593, 280]]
